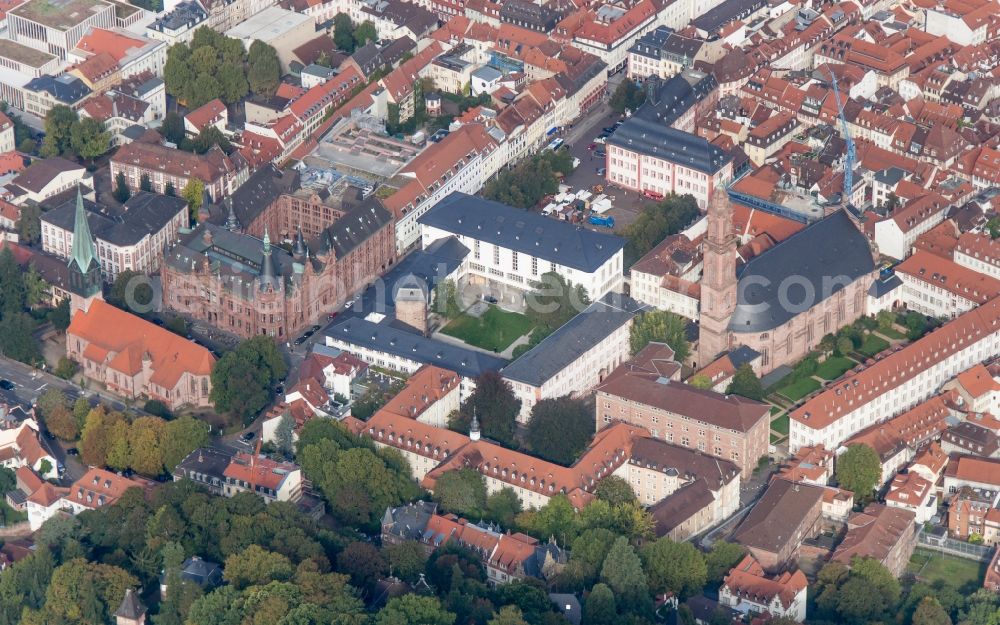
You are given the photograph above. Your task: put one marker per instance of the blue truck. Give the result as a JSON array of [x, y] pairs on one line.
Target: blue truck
[[598, 220]]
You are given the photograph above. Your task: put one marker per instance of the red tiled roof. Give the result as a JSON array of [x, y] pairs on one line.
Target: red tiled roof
[[852, 392], [977, 381], [114, 43], [99, 488], [748, 580], [262, 471], [423, 389], [950, 276], [135, 338], [923, 422], [206, 114], [974, 469]]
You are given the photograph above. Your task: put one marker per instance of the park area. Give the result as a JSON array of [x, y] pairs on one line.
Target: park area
[[872, 345], [834, 367], [930, 566], [797, 389], [494, 330]]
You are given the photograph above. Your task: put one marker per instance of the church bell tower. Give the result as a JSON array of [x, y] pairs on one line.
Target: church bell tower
[[718, 282]]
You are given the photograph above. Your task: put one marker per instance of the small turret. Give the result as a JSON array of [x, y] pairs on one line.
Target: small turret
[[299, 251], [474, 433], [268, 277]]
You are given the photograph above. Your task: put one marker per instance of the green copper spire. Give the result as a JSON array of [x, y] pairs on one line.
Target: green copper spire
[[83, 253]]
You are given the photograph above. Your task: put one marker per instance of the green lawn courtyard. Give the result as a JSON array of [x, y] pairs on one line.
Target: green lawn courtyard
[[931, 566], [834, 367], [873, 345], [495, 330], [892, 333], [799, 389], [780, 424]]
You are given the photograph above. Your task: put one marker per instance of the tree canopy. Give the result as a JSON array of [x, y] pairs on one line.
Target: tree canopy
[[657, 221], [495, 406], [746, 384], [859, 470], [243, 379], [560, 429], [661, 326]]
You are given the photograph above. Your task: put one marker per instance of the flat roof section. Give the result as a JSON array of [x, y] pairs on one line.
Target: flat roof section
[[59, 14], [23, 54]]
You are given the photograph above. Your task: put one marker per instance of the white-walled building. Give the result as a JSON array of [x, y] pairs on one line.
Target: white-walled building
[[896, 234], [647, 157], [130, 241], [512, 249], [897, 382], [45, 178], [22, 447], [461, 162], [938, 287], [577, 357], [748, 589], [55, 26]]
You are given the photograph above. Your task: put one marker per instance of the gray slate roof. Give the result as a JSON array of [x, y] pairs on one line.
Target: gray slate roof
[[652, 138], [256, 194], [523, 231], [825, 255], [392, 340], [144, 214], [575, 338], [354, 228]]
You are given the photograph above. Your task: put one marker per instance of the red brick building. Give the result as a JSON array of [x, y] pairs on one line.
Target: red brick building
[[243, 285]]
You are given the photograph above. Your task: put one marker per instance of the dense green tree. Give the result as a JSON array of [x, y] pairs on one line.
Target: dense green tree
[[462, 492], [599, 607], [661, 326], [89, 138], [256, 566], [36, 289], [243, 379], [263, 68], [528, 182], [657, 221], [363, 562], [446, 301], [560, 429], [414, 610], [59, 122], [614, 490], [364, 33], [495, 406], [746, 384], [49, 400], [29, 228], [85, 593], [885, 319], [557, 519], [930, 612], [172, 127], [13, 294], [407, 560], [284, 435], [859, 470], [59, 316], [131, 291], [193, 193], [61, 424], [628, 96], [182, 436], [622, 571], [677, 567], [343, 33], [146, 438], [700, 381], [122, 192], [16, 340], [503, 506], [722, 557]]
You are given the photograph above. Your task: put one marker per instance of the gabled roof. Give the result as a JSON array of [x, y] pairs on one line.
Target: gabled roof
[[523, 231], [748, 581], [135, 339]]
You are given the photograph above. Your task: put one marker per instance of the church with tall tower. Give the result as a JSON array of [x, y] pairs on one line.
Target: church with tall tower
[[782, 302], [84, 264]]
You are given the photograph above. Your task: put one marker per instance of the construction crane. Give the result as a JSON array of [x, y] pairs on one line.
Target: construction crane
[[851, 155]]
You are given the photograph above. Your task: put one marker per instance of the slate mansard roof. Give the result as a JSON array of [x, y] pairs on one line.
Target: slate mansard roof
[[822, 258], [523, 231]]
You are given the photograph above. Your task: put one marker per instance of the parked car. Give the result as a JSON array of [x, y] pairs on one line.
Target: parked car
[[7, 385], [610, 129], [601, 171], [316, 328], [592, 146], [489, 299], [248, 436], [600, 153], [72, 451], [300, 340]]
